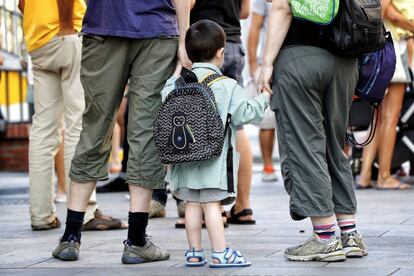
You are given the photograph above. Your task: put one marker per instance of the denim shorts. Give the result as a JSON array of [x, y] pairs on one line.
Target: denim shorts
[[234, 54]]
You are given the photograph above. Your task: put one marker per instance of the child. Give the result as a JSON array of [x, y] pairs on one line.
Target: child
[[204, 184]]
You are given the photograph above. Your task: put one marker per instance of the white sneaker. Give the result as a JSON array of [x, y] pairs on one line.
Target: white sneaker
[[269, 174], [60, 198]]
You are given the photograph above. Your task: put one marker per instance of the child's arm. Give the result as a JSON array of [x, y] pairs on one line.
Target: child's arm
[[168, 87], [245, 111]]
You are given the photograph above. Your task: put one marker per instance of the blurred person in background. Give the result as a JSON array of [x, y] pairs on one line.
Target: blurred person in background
[[51, 32], [257, 32], [399, 16]]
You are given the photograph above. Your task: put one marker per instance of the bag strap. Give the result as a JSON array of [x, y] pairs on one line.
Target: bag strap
[[211, 78], [208, 80], [374, 120], [229, 157]]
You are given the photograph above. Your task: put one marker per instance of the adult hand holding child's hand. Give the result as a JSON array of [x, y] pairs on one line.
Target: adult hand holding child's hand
[[264, 80]]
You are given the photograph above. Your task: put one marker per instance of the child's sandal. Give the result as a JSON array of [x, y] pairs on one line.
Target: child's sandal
[[228, 258], [194, 254]]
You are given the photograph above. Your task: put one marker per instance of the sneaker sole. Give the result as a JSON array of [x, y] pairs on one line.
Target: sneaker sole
[[354, 252], [132, 260], [68, 256], [136, 260], [338, 256], [269, 178]]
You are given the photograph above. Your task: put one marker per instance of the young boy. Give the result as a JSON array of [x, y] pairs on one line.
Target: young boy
[[204, 184]]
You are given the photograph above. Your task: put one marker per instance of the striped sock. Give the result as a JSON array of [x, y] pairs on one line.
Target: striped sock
[[347, 225], [325, 232]]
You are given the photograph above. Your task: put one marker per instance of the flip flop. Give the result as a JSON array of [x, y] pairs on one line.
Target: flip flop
[[363, 187], [359, 186], [400, 186], [235, 218]]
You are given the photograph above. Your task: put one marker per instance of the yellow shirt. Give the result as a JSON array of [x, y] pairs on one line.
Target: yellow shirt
[[41, 21]]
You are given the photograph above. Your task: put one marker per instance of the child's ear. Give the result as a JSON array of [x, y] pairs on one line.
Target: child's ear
[[220, 53]]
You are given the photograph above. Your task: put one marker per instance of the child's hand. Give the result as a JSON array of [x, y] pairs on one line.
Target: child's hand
[[267, 93]]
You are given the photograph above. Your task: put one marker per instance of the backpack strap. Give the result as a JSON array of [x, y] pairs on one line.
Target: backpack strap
[[211, 78], [229, 157]]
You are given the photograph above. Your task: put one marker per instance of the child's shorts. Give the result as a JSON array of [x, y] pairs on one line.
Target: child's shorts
[[202, 195]]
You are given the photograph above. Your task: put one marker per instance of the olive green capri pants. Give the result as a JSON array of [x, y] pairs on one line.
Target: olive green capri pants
[[312, 95], [107, 65]]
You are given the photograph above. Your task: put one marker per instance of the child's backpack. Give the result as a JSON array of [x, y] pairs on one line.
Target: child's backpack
[[188, 127]]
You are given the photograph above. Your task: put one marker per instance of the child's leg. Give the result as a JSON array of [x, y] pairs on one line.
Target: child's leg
[[193, 217], [214, 223]]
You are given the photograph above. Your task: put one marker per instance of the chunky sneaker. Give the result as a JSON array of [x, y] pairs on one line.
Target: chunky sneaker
[[315, 249], [353, 244], [67, 250], [141, 254], [156, 210], [269, 174]]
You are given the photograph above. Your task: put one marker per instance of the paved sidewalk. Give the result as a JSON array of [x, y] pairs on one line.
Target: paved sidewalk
[[386, 218]]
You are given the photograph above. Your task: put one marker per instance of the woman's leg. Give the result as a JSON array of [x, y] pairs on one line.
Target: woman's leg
[[214, 223], [60, 167], [115, 166], [369, 154], [193, 217], [387, 134]]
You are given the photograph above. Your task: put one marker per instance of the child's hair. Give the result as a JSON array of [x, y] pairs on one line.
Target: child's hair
[[204, 38]]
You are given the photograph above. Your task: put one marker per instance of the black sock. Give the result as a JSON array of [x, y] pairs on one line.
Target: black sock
[[137, 228], [74, 222]]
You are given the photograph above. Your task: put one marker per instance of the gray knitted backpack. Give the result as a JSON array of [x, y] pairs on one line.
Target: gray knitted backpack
[[188, 127]]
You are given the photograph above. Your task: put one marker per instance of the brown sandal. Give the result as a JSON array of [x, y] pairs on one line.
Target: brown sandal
[[103, 222]]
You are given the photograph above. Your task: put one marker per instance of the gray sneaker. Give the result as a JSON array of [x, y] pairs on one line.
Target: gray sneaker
[[141, 254], [156, 210], [314, 249], [354, 246], [67, 250]]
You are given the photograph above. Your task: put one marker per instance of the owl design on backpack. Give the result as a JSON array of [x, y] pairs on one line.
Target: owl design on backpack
[[181, 135]]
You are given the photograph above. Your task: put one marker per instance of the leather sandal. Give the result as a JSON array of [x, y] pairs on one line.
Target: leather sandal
[[235, 218], [103, 222]]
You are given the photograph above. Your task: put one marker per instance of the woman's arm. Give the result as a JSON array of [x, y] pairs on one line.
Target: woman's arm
[[253, 41], [384, 6], [279, 23], [245, 9], [399, 20]]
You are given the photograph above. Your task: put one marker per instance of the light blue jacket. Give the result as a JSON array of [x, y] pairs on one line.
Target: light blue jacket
[[230, 98]]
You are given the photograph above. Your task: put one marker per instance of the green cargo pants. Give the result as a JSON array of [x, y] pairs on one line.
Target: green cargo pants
[[107, 65], [312, 95]]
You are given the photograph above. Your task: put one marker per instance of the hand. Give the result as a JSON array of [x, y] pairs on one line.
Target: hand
[[183, 60], [263, 83]]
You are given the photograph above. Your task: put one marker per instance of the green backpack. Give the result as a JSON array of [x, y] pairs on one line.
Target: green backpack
[[320, 12]]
